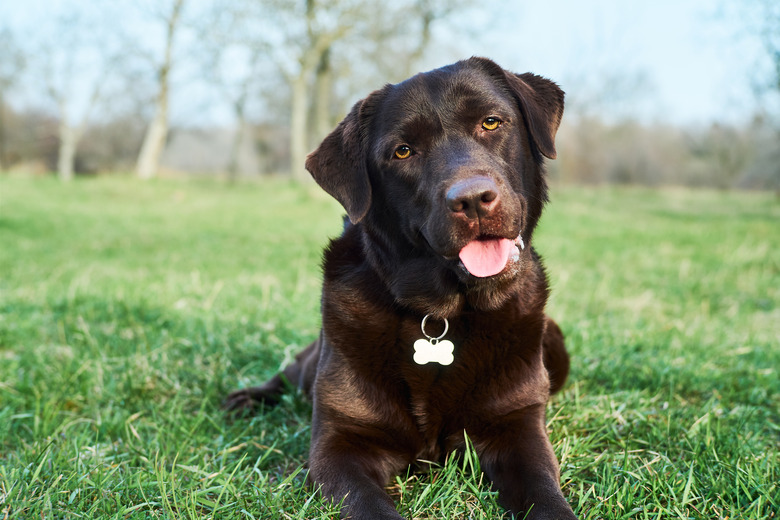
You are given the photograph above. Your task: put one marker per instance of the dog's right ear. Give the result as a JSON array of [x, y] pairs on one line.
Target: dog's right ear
[[339, 165]]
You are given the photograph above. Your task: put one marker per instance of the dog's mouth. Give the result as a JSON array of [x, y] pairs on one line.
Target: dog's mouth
[[490, 256]]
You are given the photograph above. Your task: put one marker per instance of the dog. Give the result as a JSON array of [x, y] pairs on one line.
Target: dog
[[433, 302]]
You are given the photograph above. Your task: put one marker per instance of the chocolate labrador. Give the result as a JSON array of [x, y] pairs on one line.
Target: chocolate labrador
[[433, 320]]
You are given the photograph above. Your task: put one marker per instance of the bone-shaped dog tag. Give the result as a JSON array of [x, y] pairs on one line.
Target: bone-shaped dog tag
[[433, 351]]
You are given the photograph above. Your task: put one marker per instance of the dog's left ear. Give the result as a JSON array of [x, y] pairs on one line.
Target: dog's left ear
[[339, 166], [541, 102]]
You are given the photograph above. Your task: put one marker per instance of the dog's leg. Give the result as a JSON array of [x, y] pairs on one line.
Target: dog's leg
[[353, 473], [556, 359], [299, 373], [516, 455]]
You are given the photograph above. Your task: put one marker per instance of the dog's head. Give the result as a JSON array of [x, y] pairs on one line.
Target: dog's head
[[444, 174]]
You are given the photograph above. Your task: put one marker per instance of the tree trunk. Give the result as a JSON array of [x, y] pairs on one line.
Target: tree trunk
[[66, 158], [154, 142], [322, 110], [3, 146], [298, 133], [157, 133], [235, 150], [69, 136], [239, 109], [313, 55]]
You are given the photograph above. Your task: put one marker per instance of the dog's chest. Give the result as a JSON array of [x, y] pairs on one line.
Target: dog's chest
[[437, 429], [442, 402], [491, 375]]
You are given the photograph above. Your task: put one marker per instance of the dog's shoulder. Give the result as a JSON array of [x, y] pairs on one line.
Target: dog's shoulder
[[344, 255]]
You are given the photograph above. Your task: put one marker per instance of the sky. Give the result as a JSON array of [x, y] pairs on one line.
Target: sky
[[687, 62], [696, 59]]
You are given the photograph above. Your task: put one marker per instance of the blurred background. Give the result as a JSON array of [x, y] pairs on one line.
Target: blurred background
[[670, 92]]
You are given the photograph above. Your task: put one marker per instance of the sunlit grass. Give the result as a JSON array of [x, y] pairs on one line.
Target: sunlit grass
[[127, 310]]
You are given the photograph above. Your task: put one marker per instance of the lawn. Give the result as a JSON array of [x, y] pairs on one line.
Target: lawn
[[129, 309]]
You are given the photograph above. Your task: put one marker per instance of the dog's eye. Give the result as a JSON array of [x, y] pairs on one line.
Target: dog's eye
[[491, 123], [403, 152]]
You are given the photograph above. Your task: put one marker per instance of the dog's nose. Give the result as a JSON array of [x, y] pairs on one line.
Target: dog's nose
[[475, 197]]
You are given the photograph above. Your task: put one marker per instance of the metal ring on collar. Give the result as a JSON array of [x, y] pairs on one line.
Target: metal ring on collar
[[446, 328]]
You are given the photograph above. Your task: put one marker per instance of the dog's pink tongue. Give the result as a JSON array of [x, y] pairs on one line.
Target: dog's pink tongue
[[484, 258]]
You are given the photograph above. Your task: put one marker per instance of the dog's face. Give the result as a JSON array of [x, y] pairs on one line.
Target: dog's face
[[444, 172]]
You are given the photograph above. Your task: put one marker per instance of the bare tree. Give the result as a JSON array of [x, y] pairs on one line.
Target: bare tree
[[297, 36], [240, 103], [74, 61], [239, 94], [320, 37], [234, 59], [769, 29], [309, 40], [404, 26], [322, 109], [379, 32], [12, 62], [766, 23], [71, 129], [157, 132]]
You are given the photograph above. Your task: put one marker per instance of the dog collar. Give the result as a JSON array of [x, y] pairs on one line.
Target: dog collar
[[433, 349]]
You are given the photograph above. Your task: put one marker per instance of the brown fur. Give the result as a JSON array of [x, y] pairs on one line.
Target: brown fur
[[375, 410]]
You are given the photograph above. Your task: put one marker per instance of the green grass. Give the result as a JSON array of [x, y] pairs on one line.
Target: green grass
[[128, 309]]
